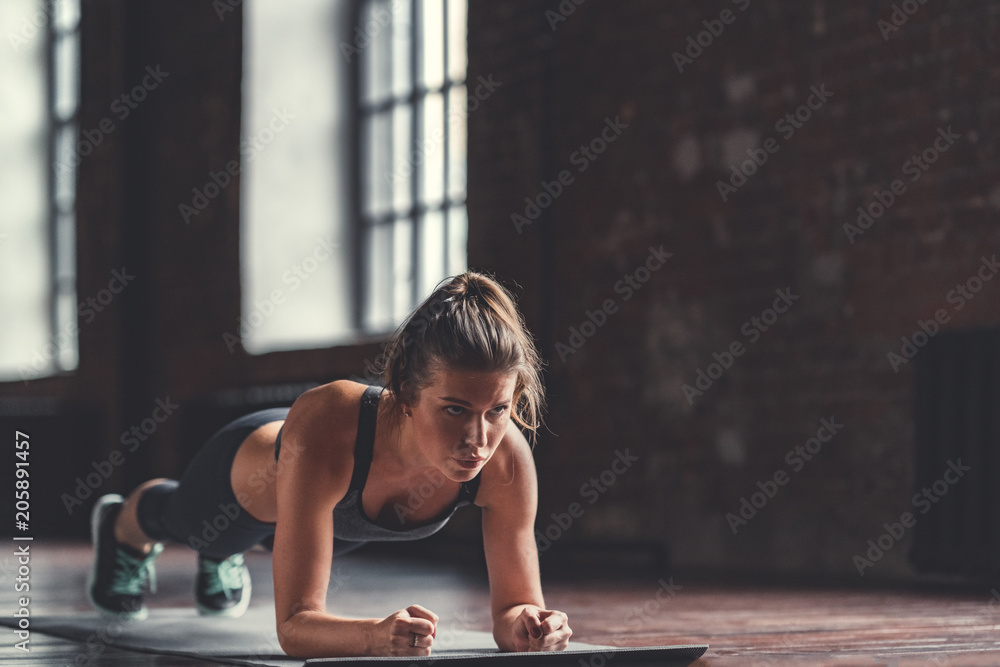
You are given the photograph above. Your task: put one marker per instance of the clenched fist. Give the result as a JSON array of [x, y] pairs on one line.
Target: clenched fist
[[408, 632]]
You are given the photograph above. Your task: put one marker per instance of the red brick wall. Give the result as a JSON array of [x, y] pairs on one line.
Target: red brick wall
[[784, 228]]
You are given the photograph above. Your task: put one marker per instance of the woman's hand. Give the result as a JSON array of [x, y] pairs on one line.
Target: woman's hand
[[407, 632], [541, 630]]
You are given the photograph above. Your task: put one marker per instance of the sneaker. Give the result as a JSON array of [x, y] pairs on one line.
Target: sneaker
[[120, 572], [222, 587]]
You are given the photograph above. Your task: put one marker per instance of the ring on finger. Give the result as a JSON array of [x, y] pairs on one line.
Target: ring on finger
[[414, 644]]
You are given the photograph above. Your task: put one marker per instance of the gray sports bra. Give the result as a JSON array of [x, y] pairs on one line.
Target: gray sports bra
[[349, 519]]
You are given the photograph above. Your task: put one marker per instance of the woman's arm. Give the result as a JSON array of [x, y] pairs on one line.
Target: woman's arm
[[314, 475], [509, 495]]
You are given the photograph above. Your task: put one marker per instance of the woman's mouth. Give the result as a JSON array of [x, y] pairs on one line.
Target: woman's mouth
[[470, 464]]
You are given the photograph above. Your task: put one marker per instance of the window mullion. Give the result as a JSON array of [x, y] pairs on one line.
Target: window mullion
[[359, 114], [54, 127], [416, 111], [446, 162], [391, 148]]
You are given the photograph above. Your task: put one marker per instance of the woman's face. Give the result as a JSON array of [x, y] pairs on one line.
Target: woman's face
[[458, 419]]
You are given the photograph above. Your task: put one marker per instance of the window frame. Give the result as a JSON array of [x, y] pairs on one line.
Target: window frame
[[61, 285], [362, 110]]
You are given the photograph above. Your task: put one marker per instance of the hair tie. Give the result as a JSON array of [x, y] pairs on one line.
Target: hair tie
[[473, 288]]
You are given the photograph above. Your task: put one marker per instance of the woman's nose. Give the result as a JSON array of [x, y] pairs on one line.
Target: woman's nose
[[476, 436]]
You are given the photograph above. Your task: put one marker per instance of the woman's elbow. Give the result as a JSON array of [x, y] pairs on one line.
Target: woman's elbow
[[287, 644], [289, 638]]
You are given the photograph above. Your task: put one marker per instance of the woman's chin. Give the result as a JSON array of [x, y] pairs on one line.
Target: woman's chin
[[464, 470]]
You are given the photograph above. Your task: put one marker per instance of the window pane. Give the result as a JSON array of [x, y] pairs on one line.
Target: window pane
[[64, 174], [378, 310], [402, 269], [402, 45], [457, 151], [65, 270], [27, 347], [457, 240], [376, 185], [432, 141], [66, 320], [66, 15], [457, 22], [403, 160], [432, 251], [432, 44], [375, 61], [67, 81], [295, 235]]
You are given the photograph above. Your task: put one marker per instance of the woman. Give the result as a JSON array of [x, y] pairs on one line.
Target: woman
[[457, 373]]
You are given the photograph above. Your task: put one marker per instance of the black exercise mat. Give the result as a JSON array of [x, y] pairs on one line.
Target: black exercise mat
[[577, 654], [251, 640]]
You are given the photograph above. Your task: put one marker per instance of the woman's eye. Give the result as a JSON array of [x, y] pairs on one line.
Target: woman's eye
[[500, 409], [455, 410]]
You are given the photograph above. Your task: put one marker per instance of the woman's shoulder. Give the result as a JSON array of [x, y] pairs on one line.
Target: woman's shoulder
[[510, 472], [326, 417], [334, 400]]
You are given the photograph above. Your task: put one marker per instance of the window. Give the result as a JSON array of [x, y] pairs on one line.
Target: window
[[39, 100], [316, 270], [296, 253], [413, 152]]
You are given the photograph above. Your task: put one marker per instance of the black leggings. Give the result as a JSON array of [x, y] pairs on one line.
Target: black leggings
[[201, 509]]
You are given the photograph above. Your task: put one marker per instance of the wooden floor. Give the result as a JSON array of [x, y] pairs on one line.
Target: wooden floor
[[744, 625]]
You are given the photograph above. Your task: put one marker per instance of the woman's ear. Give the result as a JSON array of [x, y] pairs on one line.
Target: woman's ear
[[404, 406]]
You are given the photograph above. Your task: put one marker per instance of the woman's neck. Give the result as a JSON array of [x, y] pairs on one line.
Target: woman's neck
[[396, 452]]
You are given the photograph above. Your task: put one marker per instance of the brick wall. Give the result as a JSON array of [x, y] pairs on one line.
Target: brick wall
[[869, 96]]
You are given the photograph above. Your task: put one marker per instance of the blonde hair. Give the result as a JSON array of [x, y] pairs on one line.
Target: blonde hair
[[469, 322]]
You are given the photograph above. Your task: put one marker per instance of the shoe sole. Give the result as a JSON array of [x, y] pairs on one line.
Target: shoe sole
[[235, 611], [100, 509]]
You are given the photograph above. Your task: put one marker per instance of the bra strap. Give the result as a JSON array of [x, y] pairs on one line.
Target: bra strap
[[364, 446]]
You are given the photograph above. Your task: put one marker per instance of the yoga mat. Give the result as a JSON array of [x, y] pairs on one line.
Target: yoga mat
[[577, 654], [251, 640]]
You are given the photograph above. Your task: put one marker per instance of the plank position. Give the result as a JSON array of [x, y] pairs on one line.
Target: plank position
[[460, 376]]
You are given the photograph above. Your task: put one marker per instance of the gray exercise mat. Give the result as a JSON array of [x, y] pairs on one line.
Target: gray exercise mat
[[251, 640], [576, 654]]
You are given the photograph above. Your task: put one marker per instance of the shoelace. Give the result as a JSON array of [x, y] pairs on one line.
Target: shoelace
[[132, 573], [224, 576]]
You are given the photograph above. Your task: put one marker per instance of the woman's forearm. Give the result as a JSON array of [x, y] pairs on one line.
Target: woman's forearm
[[315, 634]]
